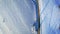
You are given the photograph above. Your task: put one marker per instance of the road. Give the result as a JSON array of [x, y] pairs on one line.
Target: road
[[50, 17]]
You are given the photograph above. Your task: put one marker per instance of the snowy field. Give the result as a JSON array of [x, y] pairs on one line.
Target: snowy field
[[16, 16]]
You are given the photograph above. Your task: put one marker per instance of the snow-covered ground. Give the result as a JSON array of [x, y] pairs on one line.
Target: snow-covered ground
[[50, 17], [16, 16]]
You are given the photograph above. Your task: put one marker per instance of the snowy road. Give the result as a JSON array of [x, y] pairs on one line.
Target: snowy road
[[50, 17]]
